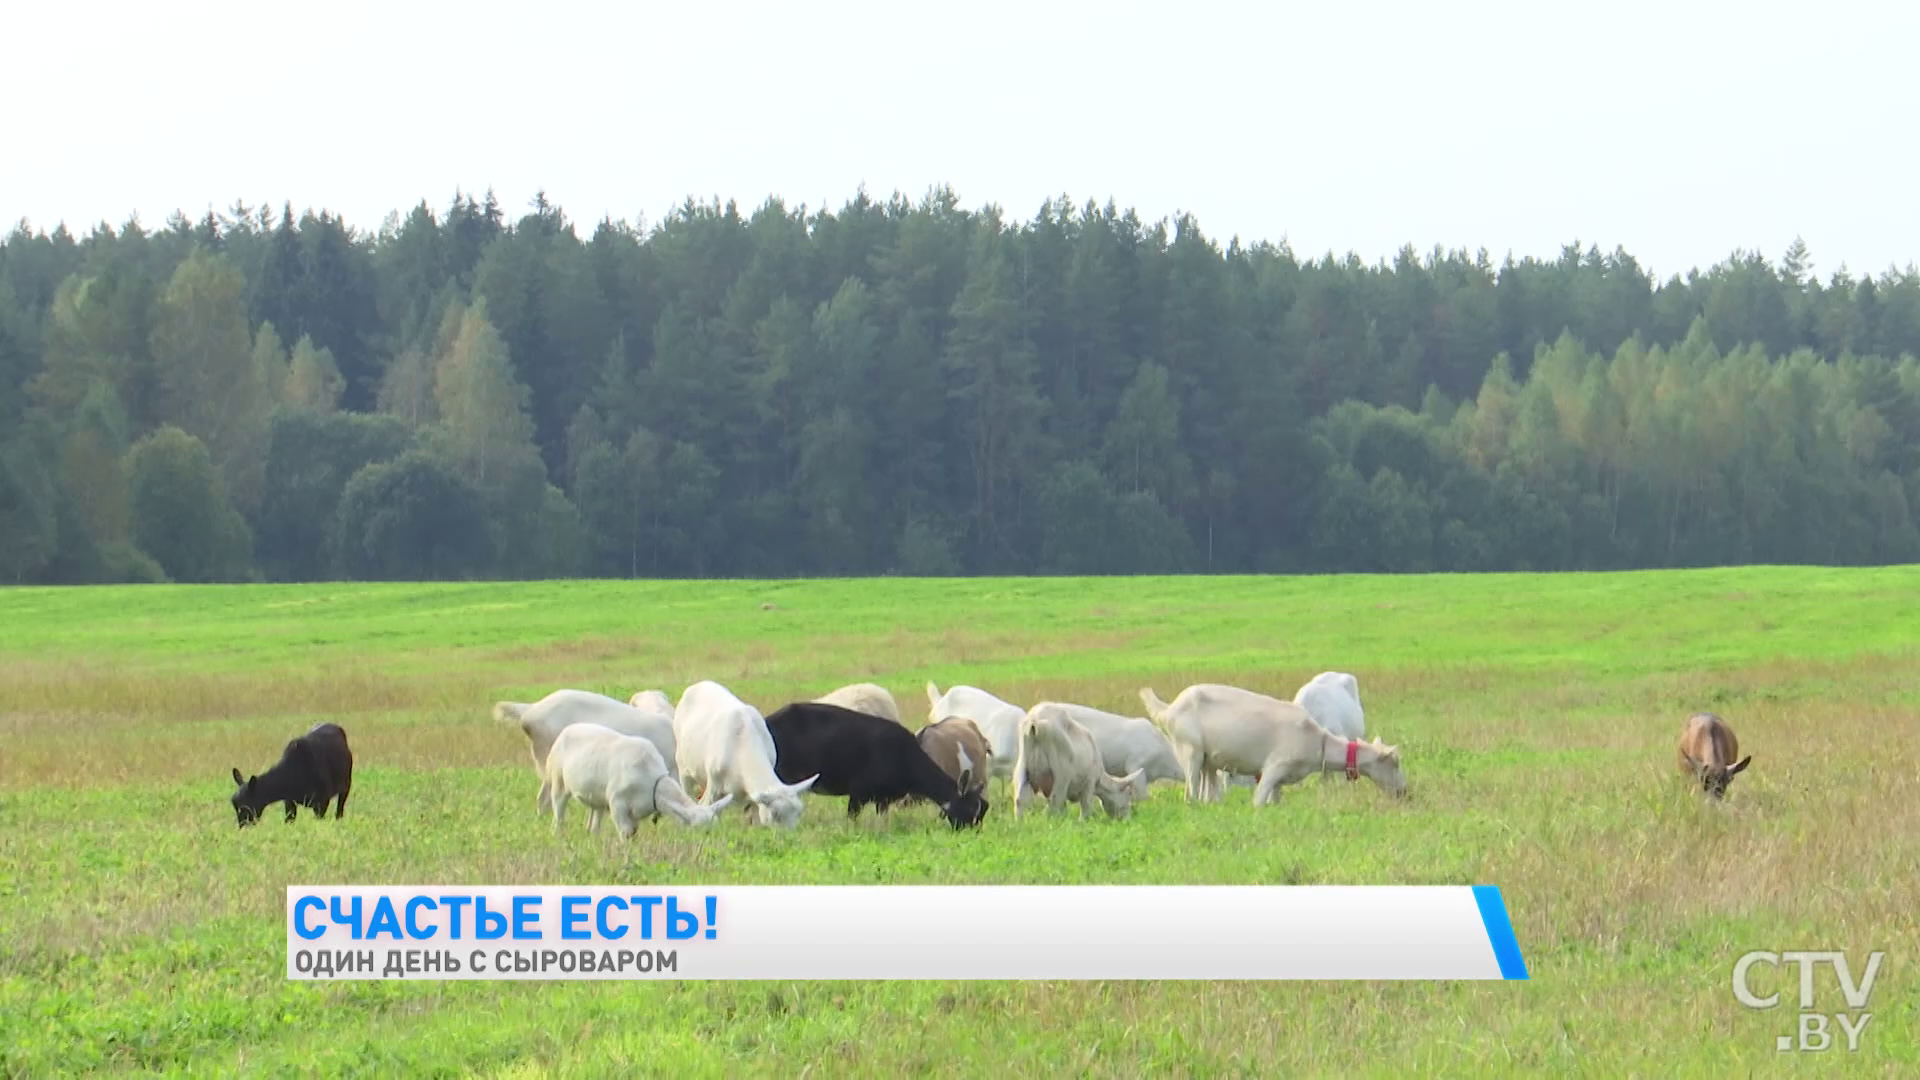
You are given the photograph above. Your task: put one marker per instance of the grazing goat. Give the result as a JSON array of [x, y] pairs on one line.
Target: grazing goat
[[1707, 750], [864, 697], [956, 745], [1332, 698], [724, 748], [1127, 744], [1059, 758], [1216, 727], [314, 768], [869, 760], [624, 775], [544, 720], [998, 720]]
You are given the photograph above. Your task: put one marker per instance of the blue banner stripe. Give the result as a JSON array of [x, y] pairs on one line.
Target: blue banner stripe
[[1506, 948]]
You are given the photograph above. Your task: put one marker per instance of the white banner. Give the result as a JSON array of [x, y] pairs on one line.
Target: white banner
[[901, 932]]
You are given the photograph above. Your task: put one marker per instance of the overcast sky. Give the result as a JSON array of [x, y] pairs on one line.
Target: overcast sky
[[1681, 130]]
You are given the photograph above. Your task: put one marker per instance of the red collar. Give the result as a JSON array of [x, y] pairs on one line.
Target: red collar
[[1353, 760]]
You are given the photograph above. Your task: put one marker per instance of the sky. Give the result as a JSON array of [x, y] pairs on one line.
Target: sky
[[1681, 131]]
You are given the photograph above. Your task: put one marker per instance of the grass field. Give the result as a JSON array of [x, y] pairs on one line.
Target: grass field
[[1537, 716]]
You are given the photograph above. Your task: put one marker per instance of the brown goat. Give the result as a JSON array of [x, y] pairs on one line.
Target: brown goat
[[1707, 750], [962, 752]]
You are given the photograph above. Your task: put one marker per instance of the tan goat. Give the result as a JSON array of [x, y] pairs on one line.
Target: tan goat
[[957, 746], [1707, 749]]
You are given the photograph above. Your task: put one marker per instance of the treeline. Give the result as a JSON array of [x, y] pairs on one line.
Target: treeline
[[916, 388]]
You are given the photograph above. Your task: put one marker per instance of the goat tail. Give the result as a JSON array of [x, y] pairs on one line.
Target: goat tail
[[510, 712], [1156, 709], [933, 694]]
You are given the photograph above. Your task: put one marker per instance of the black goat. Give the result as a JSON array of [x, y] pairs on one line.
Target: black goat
[[314, 768], [868, 759]]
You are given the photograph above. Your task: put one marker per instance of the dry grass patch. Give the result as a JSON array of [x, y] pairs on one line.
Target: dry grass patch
[[68, 689]]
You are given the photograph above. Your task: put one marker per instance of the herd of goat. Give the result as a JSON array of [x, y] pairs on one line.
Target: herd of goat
[[643, 758]]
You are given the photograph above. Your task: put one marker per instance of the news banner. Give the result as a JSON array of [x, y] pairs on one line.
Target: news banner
[[747, 932]]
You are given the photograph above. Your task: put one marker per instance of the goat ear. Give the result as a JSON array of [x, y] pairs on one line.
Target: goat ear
[[1741, 765], [966, 780], [237, 779], [806, 785]]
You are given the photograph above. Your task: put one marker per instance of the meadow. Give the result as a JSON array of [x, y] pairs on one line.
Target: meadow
[[1537, 716]]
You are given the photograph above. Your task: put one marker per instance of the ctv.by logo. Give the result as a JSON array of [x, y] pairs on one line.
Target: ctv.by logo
[[1813, 1034]]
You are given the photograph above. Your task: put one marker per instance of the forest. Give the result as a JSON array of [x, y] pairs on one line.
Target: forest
[[913, 387]]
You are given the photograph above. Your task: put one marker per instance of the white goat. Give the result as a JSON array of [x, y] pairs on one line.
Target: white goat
[[1127, 744], [725, 748], [1332, 698], [624, 775], [1059, 758]]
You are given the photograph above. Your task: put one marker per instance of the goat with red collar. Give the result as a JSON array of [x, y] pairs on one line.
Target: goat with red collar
[[1214, 728]]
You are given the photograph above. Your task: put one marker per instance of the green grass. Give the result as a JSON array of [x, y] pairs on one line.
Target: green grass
[[1537, 715]]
